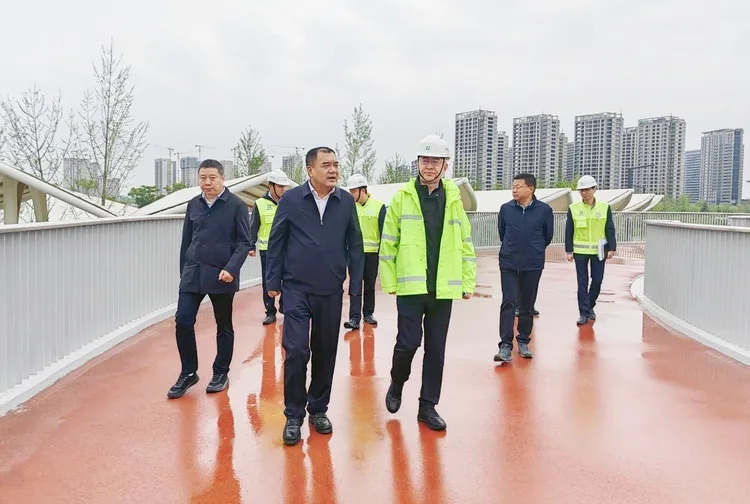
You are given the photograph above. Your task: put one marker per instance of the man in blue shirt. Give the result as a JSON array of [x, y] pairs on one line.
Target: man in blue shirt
[[215, 244], [315, 227], [526, 226]]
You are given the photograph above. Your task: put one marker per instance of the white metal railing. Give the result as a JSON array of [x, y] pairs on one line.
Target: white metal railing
[[700, 275], [630, 226], [67, 286]]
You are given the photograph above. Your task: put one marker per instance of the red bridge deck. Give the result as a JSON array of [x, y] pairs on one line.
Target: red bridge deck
[[618, 412]]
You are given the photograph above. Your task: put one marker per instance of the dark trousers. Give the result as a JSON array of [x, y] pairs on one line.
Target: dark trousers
[[519, 290], [435, 315], [299, 341], [268, 301], [369, 277], [187, 310], [587, 295]]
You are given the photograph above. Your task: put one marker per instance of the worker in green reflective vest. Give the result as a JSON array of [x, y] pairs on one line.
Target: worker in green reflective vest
[[427, 260], [260, 229], [589, 240], [371, 213]]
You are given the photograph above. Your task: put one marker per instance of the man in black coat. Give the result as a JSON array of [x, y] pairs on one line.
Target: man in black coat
[[526, 227], [315, 227], [215, 244]]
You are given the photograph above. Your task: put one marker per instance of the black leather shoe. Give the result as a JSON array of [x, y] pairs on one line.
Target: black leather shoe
[[182, 385], [523, 351], [351, 324], [504, 355], [536, 312], [393, 397], [592, 315], [270, 319], [429, 416], [218, 383], [292, 433], [582, 320], [369, 319], [321, 423]]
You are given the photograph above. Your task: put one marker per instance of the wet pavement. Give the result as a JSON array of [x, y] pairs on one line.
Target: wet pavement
[[621, 411]]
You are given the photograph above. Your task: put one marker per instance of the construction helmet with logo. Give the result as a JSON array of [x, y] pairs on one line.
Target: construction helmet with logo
[[356, 181], [278, 177], [586, 182], [434, 146]]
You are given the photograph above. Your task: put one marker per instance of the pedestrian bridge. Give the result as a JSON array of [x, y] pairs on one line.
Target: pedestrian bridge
[[639, 407]]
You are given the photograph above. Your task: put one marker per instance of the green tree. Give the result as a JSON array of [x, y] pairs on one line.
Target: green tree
[[251, 156], [175, 187], [360, 155], [298, 172], [394, 171], [144, 195]]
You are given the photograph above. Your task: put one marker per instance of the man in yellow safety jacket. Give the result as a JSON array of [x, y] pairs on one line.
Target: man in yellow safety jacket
[[589, 227], [371, 213], [427, 260], [260, 230]]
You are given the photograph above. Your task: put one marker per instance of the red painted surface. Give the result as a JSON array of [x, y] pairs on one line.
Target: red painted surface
[[617, 412]]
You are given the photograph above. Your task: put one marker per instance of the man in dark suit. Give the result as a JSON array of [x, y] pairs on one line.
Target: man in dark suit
[[526, 227], [215, 244], [315, 227]]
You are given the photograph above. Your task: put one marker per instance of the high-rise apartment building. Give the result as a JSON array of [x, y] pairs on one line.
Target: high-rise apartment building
[[165, 174], [562, 157], [722, 160], [629, 150], [504, 170], [660, 156], [570, 161], [598, 148], [80, 175], [535, 149], [475, 152], [414, 168], [692, 188], [189, 171]]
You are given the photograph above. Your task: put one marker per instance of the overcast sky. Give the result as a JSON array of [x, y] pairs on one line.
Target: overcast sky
[[204, 70]]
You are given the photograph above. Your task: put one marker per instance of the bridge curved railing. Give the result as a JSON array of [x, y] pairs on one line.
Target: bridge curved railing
[[73, 290], [697, 280]]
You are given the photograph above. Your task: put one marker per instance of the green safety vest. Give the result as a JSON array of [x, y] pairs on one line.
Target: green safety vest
[[266, 212], [403, 247], [588, 226], [368, 220]]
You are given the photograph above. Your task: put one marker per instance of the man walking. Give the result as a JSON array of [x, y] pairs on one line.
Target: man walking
[[371, 213], [215, 244], [314, 230], [260, 229], [427, 259], [526, 226], [589, 239]]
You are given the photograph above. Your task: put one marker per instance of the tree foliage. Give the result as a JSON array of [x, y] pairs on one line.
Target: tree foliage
[[683, 204], [109, 136], [32, 126], [395, 171], [251, 156], [144, 195], [360, 156]]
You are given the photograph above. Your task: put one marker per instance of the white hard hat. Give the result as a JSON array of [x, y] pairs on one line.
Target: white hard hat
[[278, 177], [586, 182], [356, 181], [434, 146]]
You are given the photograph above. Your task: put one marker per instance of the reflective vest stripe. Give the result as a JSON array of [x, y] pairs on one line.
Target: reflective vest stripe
[[588, 226], [368, 215], [266, 212]]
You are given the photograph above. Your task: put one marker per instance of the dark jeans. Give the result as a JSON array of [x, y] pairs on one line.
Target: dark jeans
[[187, 310], [587, 295], [435, 314], [268, 301], [519, 290], [368, 293], [299, 342]]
